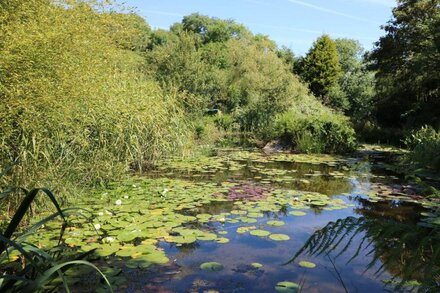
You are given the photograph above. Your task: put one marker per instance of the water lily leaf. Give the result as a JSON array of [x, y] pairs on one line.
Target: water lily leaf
[[242, 230], [128, 236], [255, 215], [107, 249], [206, 236], [275, 223], [247, 220], [211, 266], [307, 264], [222, 240], [157, 257], [181, 239], [138, 263], [256, 265], [126, 251], [260, 233], [287, 287], [298, 213], [279, 237]]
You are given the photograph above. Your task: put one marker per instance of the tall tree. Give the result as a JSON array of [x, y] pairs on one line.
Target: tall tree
[[321, 68], [355, 90], [407, 60]]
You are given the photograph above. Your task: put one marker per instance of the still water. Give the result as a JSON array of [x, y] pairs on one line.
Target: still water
[[362, 228]]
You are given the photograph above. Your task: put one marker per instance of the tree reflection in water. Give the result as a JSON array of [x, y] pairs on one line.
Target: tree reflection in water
[[407, 251]]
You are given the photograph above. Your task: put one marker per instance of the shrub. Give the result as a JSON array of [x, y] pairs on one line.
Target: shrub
[[323, 132], [207, 131], [424, 148], [76, 109]]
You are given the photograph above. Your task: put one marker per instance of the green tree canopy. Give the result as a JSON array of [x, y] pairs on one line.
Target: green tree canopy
[[407, 61], [321, 68], [212, 29]]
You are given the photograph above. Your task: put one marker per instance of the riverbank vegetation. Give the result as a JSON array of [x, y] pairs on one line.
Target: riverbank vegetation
[[90, 92]]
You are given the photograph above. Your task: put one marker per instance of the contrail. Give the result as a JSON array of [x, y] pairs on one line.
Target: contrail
[[331, 11], [316, 32]]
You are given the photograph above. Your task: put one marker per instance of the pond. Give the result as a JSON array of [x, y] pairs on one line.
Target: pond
[[243, 221]]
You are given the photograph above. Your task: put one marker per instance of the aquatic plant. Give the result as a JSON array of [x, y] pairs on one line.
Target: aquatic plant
[[24, 266]]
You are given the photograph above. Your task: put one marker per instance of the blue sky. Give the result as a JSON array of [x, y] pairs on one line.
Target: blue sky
[[292, 23]]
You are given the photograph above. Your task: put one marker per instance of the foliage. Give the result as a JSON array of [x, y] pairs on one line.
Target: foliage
[[213, 29], [287, 55], [323, 132], [241, 74], [407, 59], [75, 107], [424, 149], [320, 67], [355, 92], [28, 268]]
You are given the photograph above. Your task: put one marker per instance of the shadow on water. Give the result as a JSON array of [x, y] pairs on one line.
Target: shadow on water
[[370, 246], [410, 253]]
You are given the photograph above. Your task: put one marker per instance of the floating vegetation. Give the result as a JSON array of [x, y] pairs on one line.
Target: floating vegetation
[[279, 237], [307, 264], [211, 266], [275, 223], [297, 213], [256, 265], [142, 223], [242, 230], [259, 233], [287, 287]]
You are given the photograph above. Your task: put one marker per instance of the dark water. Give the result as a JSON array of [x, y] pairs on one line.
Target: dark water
[[369, 247]]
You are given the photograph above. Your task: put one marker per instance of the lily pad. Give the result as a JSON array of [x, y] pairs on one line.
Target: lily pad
[[275, 223], [222, 240], [279, 237], [207, 236], [211, 266], [242, 230], [307, 264], [298, 213], [287, 287], [260, 233], [256, 265]]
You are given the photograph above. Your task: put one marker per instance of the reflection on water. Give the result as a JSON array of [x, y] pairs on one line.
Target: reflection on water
[[410, 253], [371, 247]]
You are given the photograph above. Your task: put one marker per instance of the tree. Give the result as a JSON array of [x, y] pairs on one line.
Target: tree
[[287, 55], [212, 29], [321, 68], [407, 60], [354, 93], [350, 54]]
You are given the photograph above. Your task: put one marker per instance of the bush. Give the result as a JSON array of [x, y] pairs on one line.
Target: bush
[[76, 109], [206, 131], [424, 148], [321, 133]]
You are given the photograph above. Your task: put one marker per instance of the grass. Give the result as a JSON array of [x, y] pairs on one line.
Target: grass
[[24, 267]]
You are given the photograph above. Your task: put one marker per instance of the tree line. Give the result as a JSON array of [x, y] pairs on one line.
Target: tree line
[[90, 91]]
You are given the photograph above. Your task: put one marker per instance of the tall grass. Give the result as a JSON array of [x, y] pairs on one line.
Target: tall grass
[[24, 267], [76, 108]]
